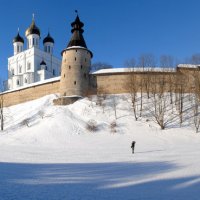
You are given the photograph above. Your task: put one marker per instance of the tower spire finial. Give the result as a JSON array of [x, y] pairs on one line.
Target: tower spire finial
[[76, 11], [18, 29], [33, 16]]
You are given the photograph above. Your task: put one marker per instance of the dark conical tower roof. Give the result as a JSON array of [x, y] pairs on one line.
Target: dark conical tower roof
[[77, 37]]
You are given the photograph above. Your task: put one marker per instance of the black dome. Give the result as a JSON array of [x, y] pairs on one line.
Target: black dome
[[43, 63], [33, 29], [18, 38], [48, 38]]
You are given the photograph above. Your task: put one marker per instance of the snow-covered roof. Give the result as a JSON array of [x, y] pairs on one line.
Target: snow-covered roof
[[136, 69], [34, 84], [188, 66]]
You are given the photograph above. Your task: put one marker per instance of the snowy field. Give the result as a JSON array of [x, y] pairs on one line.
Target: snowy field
[[48, 153]]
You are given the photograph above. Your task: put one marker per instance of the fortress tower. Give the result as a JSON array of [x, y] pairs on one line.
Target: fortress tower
[[76, 62]]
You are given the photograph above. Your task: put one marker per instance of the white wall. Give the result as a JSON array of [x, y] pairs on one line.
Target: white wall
[[29, 62]]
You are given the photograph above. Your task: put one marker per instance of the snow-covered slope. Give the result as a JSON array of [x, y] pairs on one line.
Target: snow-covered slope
[[47, 152]]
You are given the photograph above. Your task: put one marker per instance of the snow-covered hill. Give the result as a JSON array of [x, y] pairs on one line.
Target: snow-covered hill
[[48, 152]]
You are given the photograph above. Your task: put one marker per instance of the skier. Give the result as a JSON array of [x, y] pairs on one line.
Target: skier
[[133, 146]]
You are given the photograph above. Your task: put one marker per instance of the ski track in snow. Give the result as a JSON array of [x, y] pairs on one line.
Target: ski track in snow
[[56, 157]]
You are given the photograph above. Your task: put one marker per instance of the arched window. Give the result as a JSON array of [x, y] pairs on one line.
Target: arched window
[[25, 80], [17, 82], [74, 82], [69, 66]]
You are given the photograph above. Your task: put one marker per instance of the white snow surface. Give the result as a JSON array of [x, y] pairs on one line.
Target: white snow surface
[[46, 152], [135, 69]]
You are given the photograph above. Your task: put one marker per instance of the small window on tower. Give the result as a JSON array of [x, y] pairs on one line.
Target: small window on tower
[[85, 59], [53, 71], [33, 41], [29, 66], [74, 82], [69, 66], [85, 75], [25, 80], [81, 66], [17, 82], [75, 58], [64, 75]]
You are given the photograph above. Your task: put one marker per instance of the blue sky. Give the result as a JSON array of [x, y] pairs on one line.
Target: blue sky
[[115, 30]]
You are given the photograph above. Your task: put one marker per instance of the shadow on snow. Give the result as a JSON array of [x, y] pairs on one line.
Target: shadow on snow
[[87, 181]]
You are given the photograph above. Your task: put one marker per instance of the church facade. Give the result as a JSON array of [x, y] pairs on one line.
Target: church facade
[[32, 64]]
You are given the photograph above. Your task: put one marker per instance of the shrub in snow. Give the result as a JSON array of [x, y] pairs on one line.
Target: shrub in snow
[[41, 113], [26, 122], [113, 126], [91, 125]]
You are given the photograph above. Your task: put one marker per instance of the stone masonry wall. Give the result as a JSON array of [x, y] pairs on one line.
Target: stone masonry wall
[[31, 93]]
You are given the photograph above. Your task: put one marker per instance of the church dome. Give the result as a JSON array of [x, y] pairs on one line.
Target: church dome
[[18, 38], [33, 29], [48, 38]]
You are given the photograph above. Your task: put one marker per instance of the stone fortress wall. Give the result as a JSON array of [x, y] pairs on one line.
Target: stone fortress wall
[[109, 83], [29, 93]]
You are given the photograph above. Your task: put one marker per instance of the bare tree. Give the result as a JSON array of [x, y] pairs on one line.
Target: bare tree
[[114, 105], [180, 86], [132, 87], [159, 101], [196, 114], [101, 97], [195, 59], [168, 62], [100, 65], [196, 104], [2, 111], [130, 63], [146, 62]]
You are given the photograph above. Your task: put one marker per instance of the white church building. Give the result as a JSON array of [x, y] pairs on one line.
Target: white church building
[[33, 64]]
